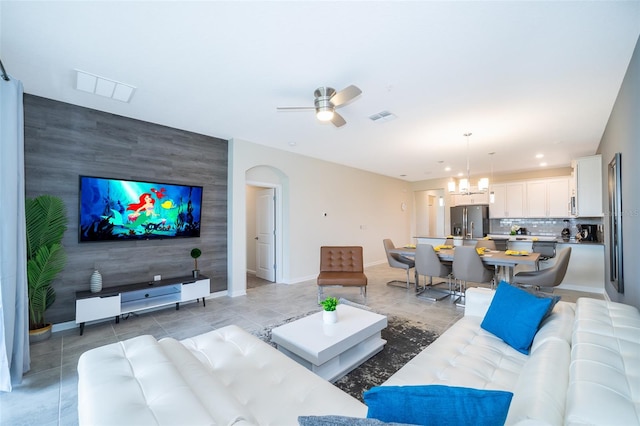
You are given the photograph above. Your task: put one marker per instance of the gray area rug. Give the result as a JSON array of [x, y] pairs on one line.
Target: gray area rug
[[405, 339]]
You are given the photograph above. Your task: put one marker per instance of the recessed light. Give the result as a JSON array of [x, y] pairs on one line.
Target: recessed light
[[292, 143], [447, 169], [543, 164], [539, 155], [460, 174]]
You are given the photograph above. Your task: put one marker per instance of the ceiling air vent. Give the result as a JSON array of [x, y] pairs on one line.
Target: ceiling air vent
[[382, 116], [92, 83]]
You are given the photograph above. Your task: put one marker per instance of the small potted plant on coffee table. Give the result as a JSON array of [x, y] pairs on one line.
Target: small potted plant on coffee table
[[329, 313], [196, 253]]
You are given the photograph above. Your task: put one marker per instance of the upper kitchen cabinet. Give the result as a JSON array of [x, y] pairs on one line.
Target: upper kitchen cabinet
[[588, 176], [469, 199], [549, 198], [509, 200]]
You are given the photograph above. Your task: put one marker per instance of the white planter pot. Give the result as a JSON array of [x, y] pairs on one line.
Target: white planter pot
[[330, 317]]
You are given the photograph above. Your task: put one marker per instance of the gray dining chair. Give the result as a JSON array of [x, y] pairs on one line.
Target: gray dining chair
[[468, 267], [546, 279], [428, 264], [397, 261], [547, 250], [490, 245]]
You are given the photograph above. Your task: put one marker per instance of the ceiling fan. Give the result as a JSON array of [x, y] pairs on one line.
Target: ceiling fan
[[327, 100]]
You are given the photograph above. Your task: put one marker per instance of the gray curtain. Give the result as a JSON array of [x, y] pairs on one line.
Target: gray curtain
[[14, 315]]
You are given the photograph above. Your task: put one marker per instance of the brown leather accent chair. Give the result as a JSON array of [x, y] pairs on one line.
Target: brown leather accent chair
[[341, 266]]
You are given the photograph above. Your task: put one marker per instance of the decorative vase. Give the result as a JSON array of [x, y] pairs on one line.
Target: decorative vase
[[330, 317], [196, 273], [96, 282]]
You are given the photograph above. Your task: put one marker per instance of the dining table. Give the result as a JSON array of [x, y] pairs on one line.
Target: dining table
[[495, 258]]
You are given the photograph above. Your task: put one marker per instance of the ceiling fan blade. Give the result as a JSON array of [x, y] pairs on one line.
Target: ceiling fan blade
[[345, 95], [288, 108], [337, 120]]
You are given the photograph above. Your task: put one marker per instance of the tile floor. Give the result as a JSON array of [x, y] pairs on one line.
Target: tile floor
[[48, 394]]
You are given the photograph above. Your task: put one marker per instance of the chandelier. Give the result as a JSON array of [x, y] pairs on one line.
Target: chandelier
[[464, 184]]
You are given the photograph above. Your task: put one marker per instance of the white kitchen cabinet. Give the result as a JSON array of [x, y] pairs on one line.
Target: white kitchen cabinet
[[509, 200], [469, 199], [559, 193], [548, 198], [588, 174]]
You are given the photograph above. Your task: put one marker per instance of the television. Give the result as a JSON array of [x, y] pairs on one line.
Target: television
[[120, 209]]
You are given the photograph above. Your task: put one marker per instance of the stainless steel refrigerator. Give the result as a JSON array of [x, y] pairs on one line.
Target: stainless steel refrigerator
[[470, 221]]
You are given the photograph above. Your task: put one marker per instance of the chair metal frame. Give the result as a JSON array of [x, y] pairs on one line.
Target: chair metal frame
[[397, 261]]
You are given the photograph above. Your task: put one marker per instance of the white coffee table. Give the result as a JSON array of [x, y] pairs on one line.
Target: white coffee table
[[332, 350]]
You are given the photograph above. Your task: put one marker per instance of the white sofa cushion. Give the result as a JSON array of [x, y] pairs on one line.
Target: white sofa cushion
[[275, 389], [604, 385], [212, 394], [134, 383], [465, 355]]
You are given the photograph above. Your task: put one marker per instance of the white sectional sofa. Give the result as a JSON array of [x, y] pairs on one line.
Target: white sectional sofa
[[583, 368]]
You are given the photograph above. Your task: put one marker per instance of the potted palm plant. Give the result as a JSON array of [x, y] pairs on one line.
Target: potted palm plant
[[196, 253], [46, 222], [329, 313]]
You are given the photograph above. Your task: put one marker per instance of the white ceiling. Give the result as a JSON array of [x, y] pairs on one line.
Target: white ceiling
[[523, 77]]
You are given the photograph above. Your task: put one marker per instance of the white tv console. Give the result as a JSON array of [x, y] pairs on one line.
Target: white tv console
[[124, 299]]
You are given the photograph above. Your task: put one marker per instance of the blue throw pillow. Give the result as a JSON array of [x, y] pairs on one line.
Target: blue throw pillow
[[515, 315], [342, 421], [438, 405]]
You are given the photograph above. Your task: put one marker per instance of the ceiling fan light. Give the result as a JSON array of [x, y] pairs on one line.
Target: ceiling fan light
[[324, 114]]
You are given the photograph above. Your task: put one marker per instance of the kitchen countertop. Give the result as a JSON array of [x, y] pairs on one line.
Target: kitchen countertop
[[525, 238]]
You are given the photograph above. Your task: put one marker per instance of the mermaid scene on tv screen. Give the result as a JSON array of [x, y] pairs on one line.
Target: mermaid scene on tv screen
[[117, 209]]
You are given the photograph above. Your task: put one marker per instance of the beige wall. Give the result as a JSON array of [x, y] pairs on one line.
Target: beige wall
[[361, 208]]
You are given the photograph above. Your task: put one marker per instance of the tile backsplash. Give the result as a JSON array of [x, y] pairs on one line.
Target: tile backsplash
[[543, 226]]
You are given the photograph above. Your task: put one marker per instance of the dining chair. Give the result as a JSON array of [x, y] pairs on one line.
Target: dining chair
[[428, 264], [468, 267], [547, 250], [397, 261], [545, 279], [490, 245]]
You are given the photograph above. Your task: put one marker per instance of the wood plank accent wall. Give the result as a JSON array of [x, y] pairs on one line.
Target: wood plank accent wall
[[64, 141]]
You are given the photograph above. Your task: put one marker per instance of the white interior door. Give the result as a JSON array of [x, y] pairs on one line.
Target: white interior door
[[266, 231]]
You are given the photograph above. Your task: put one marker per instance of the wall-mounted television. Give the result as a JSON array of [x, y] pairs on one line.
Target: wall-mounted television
[[120, 209]]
